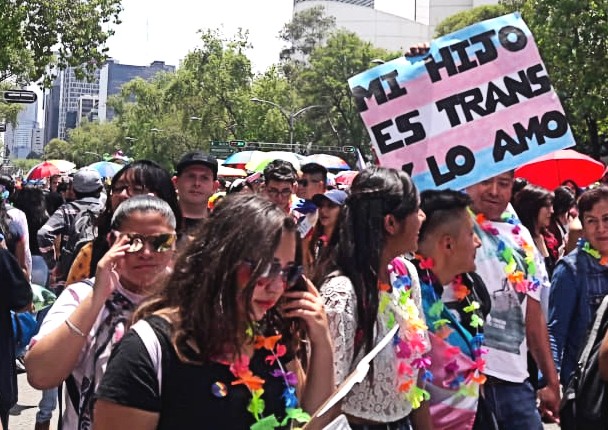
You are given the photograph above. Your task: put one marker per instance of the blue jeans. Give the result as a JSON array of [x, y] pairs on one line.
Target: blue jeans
[[514, 405], [47, 405]]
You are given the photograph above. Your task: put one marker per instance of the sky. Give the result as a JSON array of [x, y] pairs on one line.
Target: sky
[[166, 30]]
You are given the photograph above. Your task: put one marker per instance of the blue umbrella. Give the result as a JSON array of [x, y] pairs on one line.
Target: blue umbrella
[[106, 169]]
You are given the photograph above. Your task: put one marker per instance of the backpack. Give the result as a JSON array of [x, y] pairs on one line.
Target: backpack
[[585, 400], [82, 231]]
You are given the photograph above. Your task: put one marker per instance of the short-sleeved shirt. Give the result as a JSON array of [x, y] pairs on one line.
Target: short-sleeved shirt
[[190, 396], [505, 330], [64, 306]]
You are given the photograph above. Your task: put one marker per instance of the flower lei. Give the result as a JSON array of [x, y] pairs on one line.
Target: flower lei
[[410, 342], [240, 369], [465, 384], [522, 282], [586, 247]]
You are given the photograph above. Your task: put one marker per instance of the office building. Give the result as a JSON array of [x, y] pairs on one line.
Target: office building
[[114, 75], [72, 90], [51, 110], [394, 25], [18, 138]]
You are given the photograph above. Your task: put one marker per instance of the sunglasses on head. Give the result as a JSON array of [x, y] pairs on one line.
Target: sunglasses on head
[[159, 242], [289, 274]]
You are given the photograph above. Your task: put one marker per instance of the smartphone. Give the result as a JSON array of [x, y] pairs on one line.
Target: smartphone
[[300, 285]]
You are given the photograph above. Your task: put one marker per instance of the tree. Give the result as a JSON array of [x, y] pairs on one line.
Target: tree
[[471, 16], [38, 33], [88, 142], [572, 36], [307, 30], [57, 149], [326, 82]]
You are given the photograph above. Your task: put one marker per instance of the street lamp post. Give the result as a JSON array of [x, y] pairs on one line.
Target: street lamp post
[[129, 141], [289, 116], [154, 131]]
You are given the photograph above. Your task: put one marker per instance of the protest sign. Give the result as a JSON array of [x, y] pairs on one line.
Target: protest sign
[[478, 104]]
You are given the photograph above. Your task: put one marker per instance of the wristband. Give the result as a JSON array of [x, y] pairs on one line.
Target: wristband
[[74, 329]]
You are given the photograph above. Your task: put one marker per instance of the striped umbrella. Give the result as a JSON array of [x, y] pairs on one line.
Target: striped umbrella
[[330, 162], [42, 170], [106, 169]]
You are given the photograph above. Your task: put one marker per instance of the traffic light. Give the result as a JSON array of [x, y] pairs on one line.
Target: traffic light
[[238, 143], [348, 149], [2, 127], [19, 96]]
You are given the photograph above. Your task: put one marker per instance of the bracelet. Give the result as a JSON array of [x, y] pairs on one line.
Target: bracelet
[[74, 329]]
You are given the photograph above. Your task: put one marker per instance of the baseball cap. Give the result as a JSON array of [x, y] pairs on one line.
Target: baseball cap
[[197, 157], [337, 197], [87, 180]]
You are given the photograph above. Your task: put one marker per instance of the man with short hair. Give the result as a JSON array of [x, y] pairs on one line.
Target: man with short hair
[[195, 181], [513, 272], [312, 180], [280, 183], [87, 187]]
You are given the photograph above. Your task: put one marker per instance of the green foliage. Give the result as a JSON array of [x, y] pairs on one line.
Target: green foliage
[[326, 82], [57, 149], [572, 36], [25, 164], [88, 143], [39, 33], [469, 17]]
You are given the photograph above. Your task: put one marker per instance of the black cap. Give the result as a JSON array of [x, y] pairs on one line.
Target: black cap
[[197, 157]]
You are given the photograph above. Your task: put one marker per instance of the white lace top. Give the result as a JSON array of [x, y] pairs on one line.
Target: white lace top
[[380, 401]]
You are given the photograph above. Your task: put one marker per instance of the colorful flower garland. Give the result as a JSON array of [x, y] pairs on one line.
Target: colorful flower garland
[[466, 384], [586, 247], [410, 342], [240, 369], [522, 282]]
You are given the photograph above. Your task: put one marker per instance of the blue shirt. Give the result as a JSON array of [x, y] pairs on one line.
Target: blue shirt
[[578, 286]]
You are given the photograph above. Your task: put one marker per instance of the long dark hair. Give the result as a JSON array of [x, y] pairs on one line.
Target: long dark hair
[[153, 178], [375, 193], [203, 289], [31, 201], [528, 202]]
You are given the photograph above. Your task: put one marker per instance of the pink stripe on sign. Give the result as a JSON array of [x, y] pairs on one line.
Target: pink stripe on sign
[[476, 135], [422, 91]]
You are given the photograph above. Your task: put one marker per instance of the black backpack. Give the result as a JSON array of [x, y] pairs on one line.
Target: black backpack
[[585, 400], [82, 231]]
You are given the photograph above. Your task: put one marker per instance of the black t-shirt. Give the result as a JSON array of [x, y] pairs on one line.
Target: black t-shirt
[[188, 399]]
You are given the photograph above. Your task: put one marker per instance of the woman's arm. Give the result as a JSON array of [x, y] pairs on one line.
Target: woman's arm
[[112, 416], [319, 384], [52, 358]]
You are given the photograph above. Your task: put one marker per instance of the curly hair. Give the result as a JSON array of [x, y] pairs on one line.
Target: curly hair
[[203, 288]]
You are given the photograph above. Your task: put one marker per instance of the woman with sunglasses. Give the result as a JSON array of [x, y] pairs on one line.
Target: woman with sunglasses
[[223, 326], [137, 178], [90, 317], [368, 288]]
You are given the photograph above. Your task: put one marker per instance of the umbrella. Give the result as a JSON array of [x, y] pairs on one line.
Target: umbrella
[[224, 171], [551, 170], [64, 166], [43, 170], [259, 161], [330, 162], [239, 159], [106, 169], [346, 177]]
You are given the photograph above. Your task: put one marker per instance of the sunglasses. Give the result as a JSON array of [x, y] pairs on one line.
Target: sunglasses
[[273, 192], [159, 242], [288, 274]]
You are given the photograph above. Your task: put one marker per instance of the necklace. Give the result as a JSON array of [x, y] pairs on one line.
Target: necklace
[[465, 381], [521, 275], [240, 369], [586, 246], [410, 342]]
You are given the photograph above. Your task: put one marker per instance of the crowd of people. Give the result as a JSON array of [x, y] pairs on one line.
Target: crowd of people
[[179, 307]]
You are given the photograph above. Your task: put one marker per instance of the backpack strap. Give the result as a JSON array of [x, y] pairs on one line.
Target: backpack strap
[[150, 340], [595, 331]]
